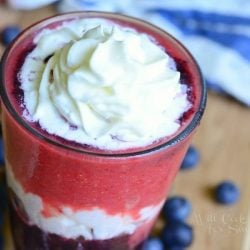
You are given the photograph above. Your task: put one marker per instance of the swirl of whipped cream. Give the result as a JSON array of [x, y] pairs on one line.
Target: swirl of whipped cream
[[109, 82]]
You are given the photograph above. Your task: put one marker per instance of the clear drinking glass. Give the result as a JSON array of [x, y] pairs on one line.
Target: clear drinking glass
[[66, 196]]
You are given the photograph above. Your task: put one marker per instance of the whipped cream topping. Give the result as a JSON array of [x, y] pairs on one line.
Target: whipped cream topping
[[96, 83], [92, 224]]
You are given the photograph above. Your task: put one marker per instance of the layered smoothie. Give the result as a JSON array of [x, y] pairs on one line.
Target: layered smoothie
[[98, 113]]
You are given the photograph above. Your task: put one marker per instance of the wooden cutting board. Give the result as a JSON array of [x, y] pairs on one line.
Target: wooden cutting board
[[223, 140]]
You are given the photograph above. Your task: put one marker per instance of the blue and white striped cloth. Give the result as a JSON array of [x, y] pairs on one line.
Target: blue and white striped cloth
[[216, 32]]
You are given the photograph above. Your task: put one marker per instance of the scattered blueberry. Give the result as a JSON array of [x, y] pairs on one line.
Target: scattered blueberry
[[1, 152], [227, 193], [191, 158], [9, 33], [153, 244], [176, 208], [177, 234]]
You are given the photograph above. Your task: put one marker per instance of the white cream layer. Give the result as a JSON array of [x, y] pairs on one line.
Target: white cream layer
[[91, 224], [106, 86]]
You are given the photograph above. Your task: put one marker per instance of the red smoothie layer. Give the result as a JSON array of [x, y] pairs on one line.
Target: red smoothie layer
[[84, 180]]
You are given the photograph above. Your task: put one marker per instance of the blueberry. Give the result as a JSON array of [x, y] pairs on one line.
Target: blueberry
[[176, 208], [191, 158], [153, 244], [227, 193], [1, 152], [177, 235], [9, 33]]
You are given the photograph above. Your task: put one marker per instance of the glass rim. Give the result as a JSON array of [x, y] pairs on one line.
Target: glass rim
[[180, 136]]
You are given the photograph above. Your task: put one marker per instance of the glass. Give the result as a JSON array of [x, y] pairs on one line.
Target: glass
[[64, 196]]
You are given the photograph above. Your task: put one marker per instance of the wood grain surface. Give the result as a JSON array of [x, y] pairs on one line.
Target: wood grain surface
[[223, 140]]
